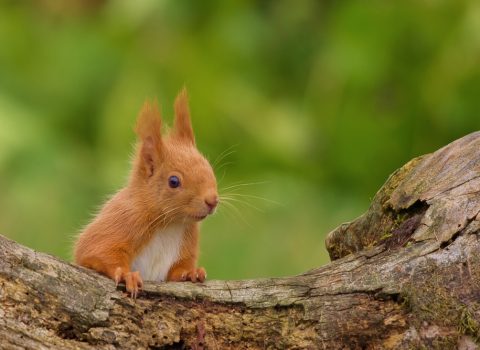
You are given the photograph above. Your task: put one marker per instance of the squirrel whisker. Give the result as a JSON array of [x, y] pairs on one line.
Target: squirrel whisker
[[242, 185], [224, 154], [254, 197], [237, 212], [226, 199], [163, 216]]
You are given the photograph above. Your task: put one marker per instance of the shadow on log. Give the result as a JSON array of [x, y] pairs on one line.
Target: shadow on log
[[404, 275]]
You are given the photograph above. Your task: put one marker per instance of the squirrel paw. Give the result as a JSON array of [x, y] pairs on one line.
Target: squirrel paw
[[133, 281], [194, 275]]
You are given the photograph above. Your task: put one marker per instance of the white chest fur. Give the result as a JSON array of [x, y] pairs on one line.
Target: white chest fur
[[163, 250]]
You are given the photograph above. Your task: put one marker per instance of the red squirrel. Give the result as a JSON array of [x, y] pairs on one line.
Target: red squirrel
[[150, 228]]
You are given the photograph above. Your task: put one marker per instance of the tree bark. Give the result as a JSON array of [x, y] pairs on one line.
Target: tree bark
[[404, 275]]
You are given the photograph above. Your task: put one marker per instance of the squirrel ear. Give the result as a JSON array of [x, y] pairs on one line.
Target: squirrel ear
[[183, 126], [148, 129]]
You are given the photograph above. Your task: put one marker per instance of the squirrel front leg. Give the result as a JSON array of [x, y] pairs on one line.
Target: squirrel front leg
[[116, 265], [185, 268]]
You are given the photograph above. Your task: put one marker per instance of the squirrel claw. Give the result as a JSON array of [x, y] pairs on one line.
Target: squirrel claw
[[201, 274], [118, 276], [194, 275], [133, 281]]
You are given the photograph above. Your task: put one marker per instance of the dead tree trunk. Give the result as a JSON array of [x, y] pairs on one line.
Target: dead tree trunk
[[404, 275]]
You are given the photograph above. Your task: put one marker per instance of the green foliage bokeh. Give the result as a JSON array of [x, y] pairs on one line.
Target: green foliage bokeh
[[319, 101]]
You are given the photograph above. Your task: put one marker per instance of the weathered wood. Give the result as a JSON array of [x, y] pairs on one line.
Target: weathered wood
[[404, 275]]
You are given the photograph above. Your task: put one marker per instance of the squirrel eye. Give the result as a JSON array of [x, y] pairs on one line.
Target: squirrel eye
[[173, 181]]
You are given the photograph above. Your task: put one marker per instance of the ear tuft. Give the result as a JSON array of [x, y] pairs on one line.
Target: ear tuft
[[149, 122], [183, 126], [148, 129]]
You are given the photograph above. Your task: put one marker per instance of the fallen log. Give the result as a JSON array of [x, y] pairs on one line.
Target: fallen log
[[404, 275]]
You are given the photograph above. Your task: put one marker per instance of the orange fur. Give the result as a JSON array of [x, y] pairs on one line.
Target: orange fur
[[128, 221]]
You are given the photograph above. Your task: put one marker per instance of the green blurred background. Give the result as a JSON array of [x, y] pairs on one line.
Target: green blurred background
[[319, 100]]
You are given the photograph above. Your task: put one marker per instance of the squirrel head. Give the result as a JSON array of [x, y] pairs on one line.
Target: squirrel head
[[170, 177]]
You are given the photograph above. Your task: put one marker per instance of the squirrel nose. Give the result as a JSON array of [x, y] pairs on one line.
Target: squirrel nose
[[211, 203]]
